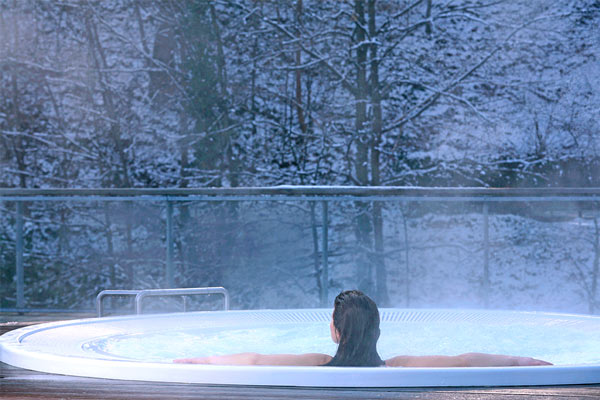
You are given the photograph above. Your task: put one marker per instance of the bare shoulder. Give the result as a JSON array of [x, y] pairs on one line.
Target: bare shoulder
[[398, 361], [307, 359], [426, 361]]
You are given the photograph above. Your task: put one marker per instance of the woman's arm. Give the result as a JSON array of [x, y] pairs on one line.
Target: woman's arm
[[309, 359], [464, 360]]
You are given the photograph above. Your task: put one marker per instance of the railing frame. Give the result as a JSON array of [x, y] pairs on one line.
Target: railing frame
[[111, 293], [303, 193], [140, 295], [322, 194]]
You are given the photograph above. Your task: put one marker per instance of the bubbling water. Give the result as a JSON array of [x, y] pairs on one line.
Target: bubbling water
[[559, 344]]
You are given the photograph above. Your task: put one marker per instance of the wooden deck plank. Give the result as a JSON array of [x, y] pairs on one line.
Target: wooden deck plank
[[17, 383]]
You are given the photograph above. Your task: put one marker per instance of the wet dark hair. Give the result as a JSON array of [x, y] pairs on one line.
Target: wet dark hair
[[356, 318]]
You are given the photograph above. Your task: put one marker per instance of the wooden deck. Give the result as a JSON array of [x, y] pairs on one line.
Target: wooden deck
[[17, 383]]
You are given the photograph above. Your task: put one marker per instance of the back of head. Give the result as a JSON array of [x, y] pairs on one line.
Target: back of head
[[356, 318]]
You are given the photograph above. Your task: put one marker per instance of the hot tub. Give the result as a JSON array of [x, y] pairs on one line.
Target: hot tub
[[143, 347]]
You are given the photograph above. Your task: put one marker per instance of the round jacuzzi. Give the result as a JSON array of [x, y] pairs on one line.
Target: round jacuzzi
[[143, 347]]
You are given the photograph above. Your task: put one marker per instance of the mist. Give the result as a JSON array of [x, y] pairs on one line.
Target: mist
[[196, 94]]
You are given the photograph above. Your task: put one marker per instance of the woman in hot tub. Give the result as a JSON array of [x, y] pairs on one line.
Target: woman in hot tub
[[355, 327]]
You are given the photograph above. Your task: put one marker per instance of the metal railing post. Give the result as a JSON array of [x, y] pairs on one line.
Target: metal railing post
[[406, 254], [325, 255], [170, 273], [19, 258], [486, 256]]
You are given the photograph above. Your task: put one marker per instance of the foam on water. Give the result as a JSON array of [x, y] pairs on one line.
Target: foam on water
[[559, 344]]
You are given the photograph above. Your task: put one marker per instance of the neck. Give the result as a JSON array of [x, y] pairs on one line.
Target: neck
[[356, 356]]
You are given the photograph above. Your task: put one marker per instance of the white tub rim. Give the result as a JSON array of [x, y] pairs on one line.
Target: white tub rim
[[14, 351]]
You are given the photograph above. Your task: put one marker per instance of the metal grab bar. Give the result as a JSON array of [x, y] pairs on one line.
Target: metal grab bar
[[140, 295], [111, 292], [180, 292]]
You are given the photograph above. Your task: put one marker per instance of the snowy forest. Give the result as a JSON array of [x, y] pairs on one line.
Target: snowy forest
[[260, 93]]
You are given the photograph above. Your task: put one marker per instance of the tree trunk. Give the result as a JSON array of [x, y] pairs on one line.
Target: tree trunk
[[364, 272], [362, 174], [379, 259], [406, 260], [315, 240], [428, 26], [221, 65], [110, 253], [298, 100], [108, 101], [231, 162], [130, 263], [18, 143]]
